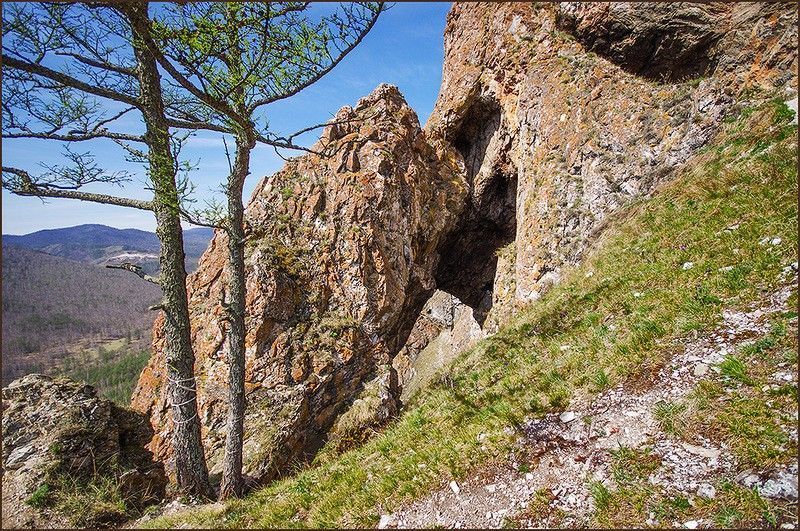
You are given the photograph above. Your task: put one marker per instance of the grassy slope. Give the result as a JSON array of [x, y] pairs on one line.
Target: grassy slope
[[602, 325], [113, 368]]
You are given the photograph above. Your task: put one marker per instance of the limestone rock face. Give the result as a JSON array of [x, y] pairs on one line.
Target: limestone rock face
[[54, 428], [550, 118], [340, 259], [444, 329], [682, 40], [583, 107]]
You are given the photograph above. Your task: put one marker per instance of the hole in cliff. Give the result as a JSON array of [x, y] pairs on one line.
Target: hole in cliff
[[468, 262], [468, 257], [479, 125]]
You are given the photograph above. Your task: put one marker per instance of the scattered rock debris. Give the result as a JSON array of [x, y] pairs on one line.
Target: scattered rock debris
[[569, 456]]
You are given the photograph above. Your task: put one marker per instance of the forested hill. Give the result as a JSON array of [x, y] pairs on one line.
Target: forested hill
[[51, 302], [100, 244]]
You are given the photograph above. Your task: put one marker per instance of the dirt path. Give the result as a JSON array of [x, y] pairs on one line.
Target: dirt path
[[573, 450]]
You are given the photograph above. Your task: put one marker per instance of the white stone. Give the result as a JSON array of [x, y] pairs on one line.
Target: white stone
[[528, 476], [701, 451], [491, 488], [700, 369], [707, 491], [691, 524], [781, 485], [687, 265], [751, 480], [18, 456], [775, 241], [454, 487], [637, 294], [387, 520], [792, 104], [567, 416]]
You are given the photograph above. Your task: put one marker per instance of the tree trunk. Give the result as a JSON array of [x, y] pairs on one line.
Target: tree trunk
[[190, 462], [232, 483]]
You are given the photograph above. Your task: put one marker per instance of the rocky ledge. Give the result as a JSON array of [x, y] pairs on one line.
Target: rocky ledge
[[60, 438]]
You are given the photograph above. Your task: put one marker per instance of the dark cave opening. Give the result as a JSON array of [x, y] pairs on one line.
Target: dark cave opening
[[468, 262]]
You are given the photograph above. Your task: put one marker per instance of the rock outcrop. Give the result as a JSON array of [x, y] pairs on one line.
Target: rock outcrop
[[550, 118], [58, 434], [525, 96], [340, 259]]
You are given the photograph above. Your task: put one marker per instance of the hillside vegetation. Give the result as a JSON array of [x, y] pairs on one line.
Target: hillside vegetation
[[54, 308], [98, 244], [113, 367], [721, 235]]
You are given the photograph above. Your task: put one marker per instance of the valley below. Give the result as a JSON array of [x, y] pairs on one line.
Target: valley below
[[62, 308]]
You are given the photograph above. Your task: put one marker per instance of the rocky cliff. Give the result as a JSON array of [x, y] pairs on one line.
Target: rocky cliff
[[550, 118], [341, 256]]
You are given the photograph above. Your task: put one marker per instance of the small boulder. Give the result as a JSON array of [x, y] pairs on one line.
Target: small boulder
[[60, 439], [707, 491], [387, 521], [567, 416]]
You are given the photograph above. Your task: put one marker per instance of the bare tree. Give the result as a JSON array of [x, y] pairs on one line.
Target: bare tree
[[235, 59], [70, 73]]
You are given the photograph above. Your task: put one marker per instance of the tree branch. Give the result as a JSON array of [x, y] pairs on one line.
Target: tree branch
[[219, 106], [207, 126], [137, 270], [98, 64], [27, 187], [194, 220], [77, 137], [68, 80], [316, 77]]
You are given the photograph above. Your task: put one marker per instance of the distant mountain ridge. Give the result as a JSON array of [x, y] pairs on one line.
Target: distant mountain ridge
[[101, 244]]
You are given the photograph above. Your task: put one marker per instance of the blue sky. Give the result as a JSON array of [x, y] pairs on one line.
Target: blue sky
[[405, 48]]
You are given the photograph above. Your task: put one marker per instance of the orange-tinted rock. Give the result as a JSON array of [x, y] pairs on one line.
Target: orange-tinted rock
[[550, 118], [340, 255]]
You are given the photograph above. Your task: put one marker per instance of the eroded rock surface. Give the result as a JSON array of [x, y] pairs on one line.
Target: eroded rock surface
[[549, 119], [564, 113], [340, 259], [529, 105], [56, 429]]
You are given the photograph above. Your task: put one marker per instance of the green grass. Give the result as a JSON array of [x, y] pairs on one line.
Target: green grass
[[627, 504], [40, 497], [749, 418], [92, 502], [97, 502], [735, 370], [748, 179], [670, 416], [114, 374]]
